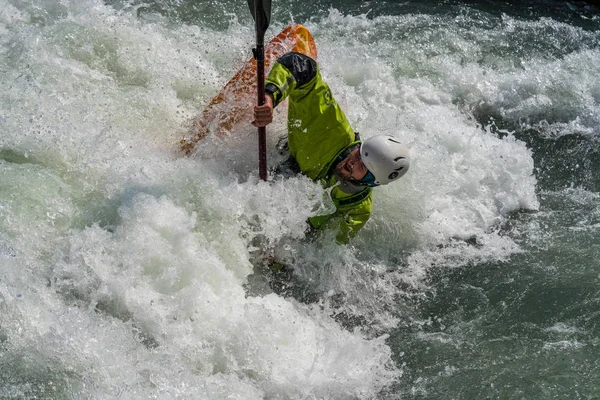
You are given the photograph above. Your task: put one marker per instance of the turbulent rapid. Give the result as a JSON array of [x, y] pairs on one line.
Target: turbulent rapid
[[129, 271]]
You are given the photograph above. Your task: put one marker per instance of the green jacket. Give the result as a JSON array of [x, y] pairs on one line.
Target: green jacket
[[319, 136]]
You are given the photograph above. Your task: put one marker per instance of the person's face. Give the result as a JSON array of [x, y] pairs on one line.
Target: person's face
[[352, 167]]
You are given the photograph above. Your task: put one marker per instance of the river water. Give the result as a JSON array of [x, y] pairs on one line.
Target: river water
[[129, 272]]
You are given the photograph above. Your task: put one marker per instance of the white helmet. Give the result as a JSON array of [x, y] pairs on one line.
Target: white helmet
[[385, 157]]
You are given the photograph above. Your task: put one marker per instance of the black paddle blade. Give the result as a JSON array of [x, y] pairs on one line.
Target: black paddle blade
[[261, 12]]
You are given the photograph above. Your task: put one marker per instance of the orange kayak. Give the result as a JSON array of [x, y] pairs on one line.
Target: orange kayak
[[235, 102]]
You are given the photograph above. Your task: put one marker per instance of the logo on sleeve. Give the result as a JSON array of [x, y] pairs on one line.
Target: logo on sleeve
[[328, 97]]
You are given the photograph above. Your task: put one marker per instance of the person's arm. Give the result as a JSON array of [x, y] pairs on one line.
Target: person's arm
[[291, 71]]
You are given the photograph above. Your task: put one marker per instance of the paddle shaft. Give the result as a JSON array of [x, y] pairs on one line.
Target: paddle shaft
[[259, 55]]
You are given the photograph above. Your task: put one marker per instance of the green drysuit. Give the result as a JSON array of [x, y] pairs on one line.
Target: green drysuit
[[319, 136]]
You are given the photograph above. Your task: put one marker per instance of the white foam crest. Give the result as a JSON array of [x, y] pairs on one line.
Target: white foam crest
[[564, 345], [491, 247], [563, 328], [463, 180], [276, 209], [549, 87], [80, 353], [556, 97], [355, 287], [131, 88], [157, 271], [547, 78]]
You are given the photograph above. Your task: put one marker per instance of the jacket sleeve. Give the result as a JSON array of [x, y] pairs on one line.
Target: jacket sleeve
[[291, 71], [349, 217]]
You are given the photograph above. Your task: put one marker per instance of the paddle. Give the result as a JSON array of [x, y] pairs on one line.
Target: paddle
[[261, 12]]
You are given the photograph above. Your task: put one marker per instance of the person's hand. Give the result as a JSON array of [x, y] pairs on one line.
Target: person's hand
[[263, 115]]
